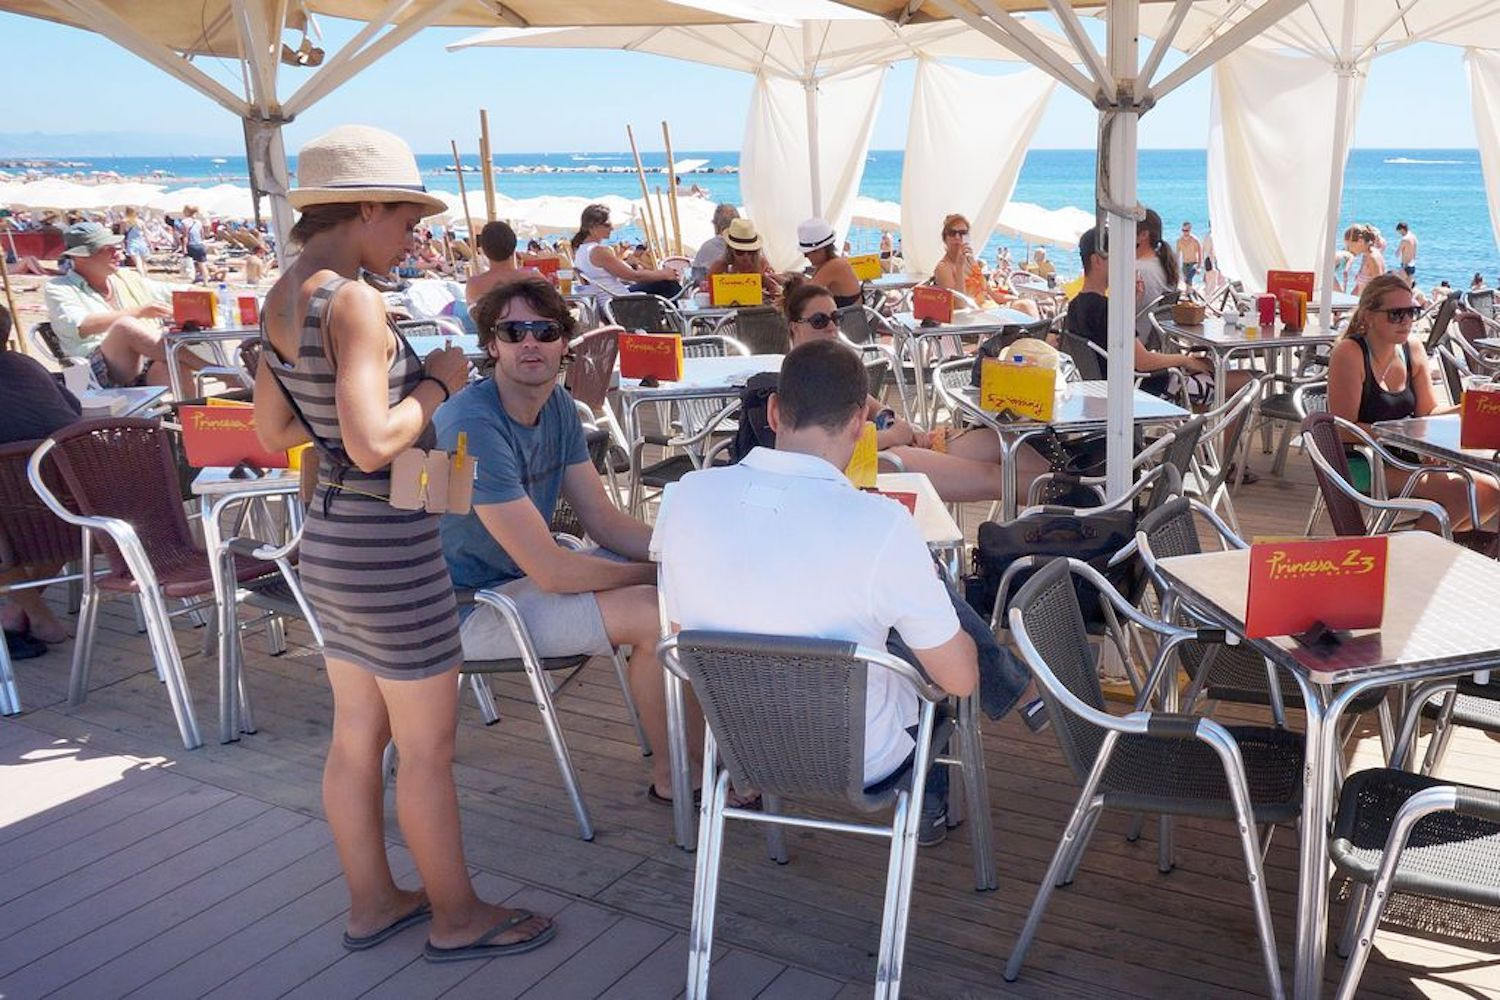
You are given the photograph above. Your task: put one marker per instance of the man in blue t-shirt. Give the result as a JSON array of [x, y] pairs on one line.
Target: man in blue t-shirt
[[526, 438]]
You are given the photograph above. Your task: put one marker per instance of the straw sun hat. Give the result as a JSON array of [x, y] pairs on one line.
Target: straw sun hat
[[358, 163], [741, 235]]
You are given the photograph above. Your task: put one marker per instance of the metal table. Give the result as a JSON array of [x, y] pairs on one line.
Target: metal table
[[217, 492], [216, 340], [1439, 622], [965, 323], [1437, 437], [468, 343], [692, 313], [139, 399], [1224, 343], [1080, 406]]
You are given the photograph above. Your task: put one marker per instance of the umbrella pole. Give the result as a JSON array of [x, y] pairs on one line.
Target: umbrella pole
[[463, 196], [486, 170], [10, 301], [661, 212], [640, 173], [666, 135]]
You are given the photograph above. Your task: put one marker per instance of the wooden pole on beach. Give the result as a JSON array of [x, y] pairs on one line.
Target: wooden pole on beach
[[486, 170], [463, 196], [666, 135], [10, 303], [661, 211], [640, 172]]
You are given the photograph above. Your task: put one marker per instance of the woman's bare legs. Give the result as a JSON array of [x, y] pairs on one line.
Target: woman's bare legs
[[423, 718], [970, 470], [1453, 493]]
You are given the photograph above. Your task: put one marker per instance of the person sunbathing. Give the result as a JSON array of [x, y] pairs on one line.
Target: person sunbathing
[[962, 468]]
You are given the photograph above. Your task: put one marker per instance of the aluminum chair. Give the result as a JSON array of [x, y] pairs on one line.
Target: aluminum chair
[[1401, 832], [1289, 406], [1449, 704], [1145, 762], [787, 717], [537, 668], [641, 312], [122, 479], [762, 329], [30, 535], [590, 375], [1346, 505], [1221, 450]]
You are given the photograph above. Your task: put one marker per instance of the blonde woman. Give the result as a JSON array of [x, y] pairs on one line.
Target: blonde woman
[[1380, 371], [1363, 243], [135, 240], [193, 244], [335, 372]]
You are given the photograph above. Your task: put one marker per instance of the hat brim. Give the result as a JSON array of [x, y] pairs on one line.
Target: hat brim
[[88, 249], [826, 241], [302, 197], [744, 246]]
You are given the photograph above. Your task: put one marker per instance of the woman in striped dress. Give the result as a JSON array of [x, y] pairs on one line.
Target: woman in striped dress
[[334, 372]]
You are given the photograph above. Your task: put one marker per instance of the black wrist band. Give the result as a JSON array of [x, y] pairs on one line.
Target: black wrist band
[[437, 382]]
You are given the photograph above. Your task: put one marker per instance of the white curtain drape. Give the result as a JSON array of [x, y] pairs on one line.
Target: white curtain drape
[[775, 177], [1484, 85], [1270, 147], [965, 144]]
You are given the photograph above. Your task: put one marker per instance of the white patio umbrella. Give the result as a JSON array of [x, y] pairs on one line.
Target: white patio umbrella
[[1035, 224], [221, 201]]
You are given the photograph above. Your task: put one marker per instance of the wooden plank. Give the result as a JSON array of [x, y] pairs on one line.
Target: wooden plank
[[661, 974], [604, 962], [579, 924], [798, 984]]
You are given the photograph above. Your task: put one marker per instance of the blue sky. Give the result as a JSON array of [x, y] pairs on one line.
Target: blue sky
[[560, 101]]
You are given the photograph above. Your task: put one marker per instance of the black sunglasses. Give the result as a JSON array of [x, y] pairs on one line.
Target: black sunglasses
[[1402, 314], [957, 232], [820, 321], [513, 331]]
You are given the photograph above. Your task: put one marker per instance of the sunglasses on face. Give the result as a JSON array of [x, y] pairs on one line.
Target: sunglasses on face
[[821, 321], [513, 331], [957, 232], [1402, 314]]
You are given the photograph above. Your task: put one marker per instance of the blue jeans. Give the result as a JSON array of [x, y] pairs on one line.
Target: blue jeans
[[1189, 272]]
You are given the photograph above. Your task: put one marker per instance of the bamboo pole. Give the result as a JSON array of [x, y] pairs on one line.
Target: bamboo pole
[[463, 196], [661, 212], [486, 168], [10, 303], [640, 173], [666, 135]]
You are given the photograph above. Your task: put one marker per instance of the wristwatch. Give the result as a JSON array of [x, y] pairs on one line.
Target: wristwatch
[[884, 419]]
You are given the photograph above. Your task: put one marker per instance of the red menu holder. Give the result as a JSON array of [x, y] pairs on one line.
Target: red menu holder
[[249, 310], [1338, 583], [932, 302], [197, 307], [1301, 281], [651, 355], [224, 436], [1479, 419], [1293, 303], [546, 263]]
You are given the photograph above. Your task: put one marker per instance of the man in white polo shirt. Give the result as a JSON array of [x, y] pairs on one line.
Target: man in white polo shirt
[[783, 544]]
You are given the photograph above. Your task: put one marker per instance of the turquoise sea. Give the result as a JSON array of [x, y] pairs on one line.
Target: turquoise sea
[[1440, 193]]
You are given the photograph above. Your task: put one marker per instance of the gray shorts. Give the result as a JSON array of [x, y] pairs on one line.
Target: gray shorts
[[559, 624]]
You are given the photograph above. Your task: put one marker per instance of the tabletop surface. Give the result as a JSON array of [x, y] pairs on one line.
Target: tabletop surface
[[1088, 403], [897, 280], [138, 398], [968, 321], [1213, 333], [1439, 610], [699, 374], [1438, 435], [933, 519], [215, 481]]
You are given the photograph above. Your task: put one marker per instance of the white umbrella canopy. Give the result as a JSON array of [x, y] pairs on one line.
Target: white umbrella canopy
[[66, 195], [876, 214], [223, 201], [1316, 27], [1035, 224], [694, 215]]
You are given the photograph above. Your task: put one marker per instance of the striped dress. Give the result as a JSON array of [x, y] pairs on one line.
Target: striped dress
[[375, 575]]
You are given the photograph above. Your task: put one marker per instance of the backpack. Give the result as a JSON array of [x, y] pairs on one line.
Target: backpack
[[754, 430]]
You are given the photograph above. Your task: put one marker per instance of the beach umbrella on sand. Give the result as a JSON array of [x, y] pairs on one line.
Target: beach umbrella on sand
[[221, 201], [1035, 224]]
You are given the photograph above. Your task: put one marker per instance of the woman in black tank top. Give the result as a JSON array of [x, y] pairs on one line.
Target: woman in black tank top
[[1379, 371]]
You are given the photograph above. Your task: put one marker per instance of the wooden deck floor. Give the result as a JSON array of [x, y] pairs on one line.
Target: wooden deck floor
[[132, 868]]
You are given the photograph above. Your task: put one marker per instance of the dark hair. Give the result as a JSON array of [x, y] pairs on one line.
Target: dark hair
[[796, 294], [316, 219], [823, 383], [1360, 231], [1402, 227], [5, 324], [1152, 225], [498, 241], [539, 295], [1088, 245], [593, 215]]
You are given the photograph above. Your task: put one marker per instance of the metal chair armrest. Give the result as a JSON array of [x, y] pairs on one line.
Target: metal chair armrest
[[1410, 505]]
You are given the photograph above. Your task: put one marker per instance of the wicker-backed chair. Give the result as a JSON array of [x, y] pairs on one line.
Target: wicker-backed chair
[[589, 377], [762, 329], [30, 536], [640, 312], [121, 480], [1145, 762], [787, 717], [1402, 832]]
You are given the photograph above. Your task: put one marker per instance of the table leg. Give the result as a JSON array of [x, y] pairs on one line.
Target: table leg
[[1312, 889], [174, 379], [685, 832], [1009, 502]]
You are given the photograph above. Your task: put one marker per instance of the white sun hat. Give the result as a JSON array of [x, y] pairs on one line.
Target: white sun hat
[[357, 163]]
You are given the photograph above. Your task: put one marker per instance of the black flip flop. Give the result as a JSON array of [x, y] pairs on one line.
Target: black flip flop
[[413, 918], [24, 645], [482, 948]]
